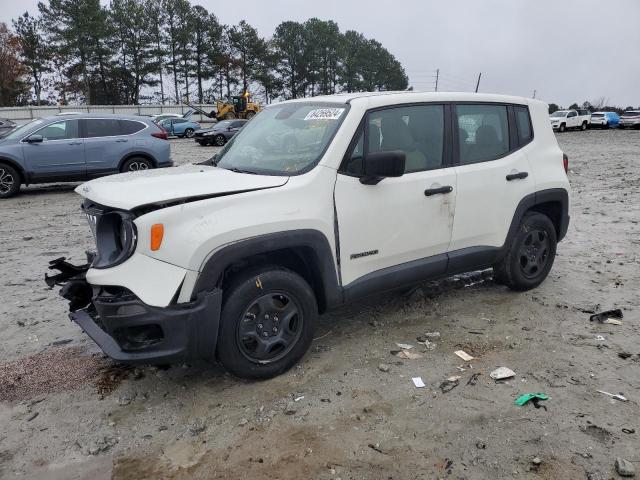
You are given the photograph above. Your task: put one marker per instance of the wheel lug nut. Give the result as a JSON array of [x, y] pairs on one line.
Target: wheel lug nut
[[266, 317], [275, 329], [265, 334], [260, 325]]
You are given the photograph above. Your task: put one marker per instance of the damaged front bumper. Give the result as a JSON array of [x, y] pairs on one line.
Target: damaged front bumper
[[128, 330]]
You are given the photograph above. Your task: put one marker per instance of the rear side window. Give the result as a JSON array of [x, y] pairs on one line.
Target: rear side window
[[101, 127], [129, 127], [483, 132], [523, 124]]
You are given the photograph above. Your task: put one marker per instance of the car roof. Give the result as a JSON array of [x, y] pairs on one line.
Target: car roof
[[372, 99], [115, 116]]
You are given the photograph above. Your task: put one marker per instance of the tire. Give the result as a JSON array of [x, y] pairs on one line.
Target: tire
[[135, 164], [9, 181], [530, 255], [219, 140], [250, 114], [189, 132], [229, 116], [583, 127], [606, 126], [252, 340], [562, 128]]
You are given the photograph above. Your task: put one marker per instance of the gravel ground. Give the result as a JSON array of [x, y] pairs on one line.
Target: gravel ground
[[350, 409]]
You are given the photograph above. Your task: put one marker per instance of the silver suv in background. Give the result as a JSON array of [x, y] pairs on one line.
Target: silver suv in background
[[79, 147], [630, 119]]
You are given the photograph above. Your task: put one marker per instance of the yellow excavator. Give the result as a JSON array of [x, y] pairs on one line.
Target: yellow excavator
[[240, 106]]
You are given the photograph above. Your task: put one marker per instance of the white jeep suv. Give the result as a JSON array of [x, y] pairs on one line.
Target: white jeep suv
[[235, 260]]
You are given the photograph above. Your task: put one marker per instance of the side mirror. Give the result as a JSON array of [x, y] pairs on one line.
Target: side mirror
[[34, 139], [379, 165]]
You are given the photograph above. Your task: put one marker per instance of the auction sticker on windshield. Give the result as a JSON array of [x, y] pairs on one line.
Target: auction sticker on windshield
[[324, 114]]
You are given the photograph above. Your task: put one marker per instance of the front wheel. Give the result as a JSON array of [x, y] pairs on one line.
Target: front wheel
[[267, 323], [584, 126], [189, 132], [9, 181], [219, 140], [530, 255], [562, 128]]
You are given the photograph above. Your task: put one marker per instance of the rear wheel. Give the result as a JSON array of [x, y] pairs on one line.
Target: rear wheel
[[530, 255], [219, 140], [136, 163], [9, 181], [189, 132], [267, 323]]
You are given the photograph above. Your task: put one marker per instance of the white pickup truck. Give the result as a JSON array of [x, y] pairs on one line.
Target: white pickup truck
[[565, 119]]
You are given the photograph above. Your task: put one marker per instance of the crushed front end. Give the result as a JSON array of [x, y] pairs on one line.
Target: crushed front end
[[125, 327]]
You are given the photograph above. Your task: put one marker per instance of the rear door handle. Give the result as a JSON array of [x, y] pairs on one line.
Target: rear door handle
[[517, 176], [439, 190], [122, 140], [75, 143]]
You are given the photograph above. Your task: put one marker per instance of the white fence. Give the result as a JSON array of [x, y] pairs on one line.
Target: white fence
[[22, 115]]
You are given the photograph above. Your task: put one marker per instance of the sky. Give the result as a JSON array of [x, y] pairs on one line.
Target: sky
[[563, 50]]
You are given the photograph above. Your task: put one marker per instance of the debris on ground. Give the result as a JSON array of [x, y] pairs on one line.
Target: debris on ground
[[617, 396], [406, 355], [427, 343], [624, 355], [625, 468], [376, 447], [473, 379], [535, 463], [290, 409], [417, 381], [600, 338], [404, 346], [628, 431], [430, 335], [522, 400], [197, 427], [608, 315], [463, 355], [384, 367], [502, 373], [449, 384], [612, 321]]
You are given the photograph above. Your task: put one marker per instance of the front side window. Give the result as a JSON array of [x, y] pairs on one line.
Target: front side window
[[284, 139], [101, 127], [63, 130], [483, 132]]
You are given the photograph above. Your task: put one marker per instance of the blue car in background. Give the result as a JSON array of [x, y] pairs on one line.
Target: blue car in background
[[180, 127], [604, 119], [79, 147]]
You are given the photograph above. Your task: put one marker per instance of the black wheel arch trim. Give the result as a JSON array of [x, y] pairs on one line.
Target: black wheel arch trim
[[321, 258]]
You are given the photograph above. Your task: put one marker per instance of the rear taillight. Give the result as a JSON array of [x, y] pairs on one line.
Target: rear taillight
[[565, 162], [162, 134]]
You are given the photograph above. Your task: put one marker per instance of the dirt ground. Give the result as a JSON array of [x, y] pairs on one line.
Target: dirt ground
[[69, 413]]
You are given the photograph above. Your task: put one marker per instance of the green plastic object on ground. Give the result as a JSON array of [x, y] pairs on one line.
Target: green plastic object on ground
[[523, 399]]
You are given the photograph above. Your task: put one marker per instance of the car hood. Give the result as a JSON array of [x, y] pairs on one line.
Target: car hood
[[189, 182]]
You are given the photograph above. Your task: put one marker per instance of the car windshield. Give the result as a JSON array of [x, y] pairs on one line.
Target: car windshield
[[559, 113], [284, 139], [631, 114], [20, 131]]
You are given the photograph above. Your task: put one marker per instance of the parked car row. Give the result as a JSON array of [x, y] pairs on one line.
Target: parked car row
[[79, 147], [563, 120]]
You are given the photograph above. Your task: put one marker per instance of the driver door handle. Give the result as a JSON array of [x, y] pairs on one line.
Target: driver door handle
[[517, 176], [440, 190]]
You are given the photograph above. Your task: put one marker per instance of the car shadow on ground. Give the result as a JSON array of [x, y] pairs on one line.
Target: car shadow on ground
[[34, 190]]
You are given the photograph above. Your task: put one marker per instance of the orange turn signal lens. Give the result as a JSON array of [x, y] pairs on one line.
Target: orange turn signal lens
[[157, 232]]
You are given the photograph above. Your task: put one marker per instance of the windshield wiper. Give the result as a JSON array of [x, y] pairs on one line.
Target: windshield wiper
[[239, 170]]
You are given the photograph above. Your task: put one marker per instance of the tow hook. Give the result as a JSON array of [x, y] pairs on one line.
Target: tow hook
[[72, 280]]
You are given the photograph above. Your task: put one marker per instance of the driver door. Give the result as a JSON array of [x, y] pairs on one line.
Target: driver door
[[60, 154], [401, 227]]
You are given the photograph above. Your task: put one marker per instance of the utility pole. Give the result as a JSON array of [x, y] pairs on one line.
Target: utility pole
[[534, 93], [437, 76], [478, 83]]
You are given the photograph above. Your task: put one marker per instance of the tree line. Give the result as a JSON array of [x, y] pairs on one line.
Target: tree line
[[169, 51], [599, 105]]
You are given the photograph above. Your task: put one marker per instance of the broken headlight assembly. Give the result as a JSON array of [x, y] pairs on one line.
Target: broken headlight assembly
[[115, 235]]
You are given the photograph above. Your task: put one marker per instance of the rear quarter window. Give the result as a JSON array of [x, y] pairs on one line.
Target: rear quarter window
[[129, 127], [523, 124]]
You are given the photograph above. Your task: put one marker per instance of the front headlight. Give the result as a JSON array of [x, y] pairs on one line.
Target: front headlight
[[115, 235], [208, 134]]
